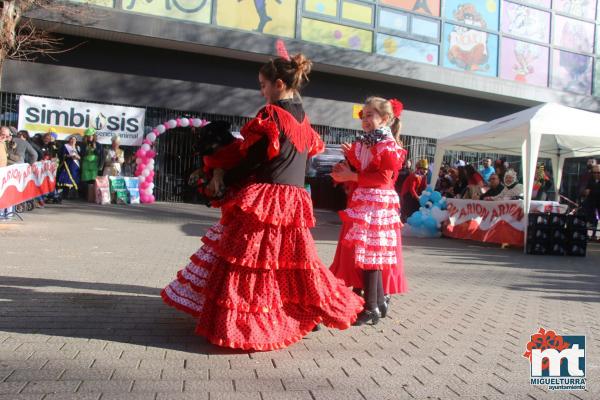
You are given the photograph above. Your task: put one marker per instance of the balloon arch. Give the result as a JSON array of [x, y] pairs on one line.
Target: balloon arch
[[145, 155]]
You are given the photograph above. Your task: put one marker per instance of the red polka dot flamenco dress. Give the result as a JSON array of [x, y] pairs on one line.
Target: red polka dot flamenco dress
[[257, 282]]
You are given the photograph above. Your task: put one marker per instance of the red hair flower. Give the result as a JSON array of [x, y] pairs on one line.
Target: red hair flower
[[281, 50], [397, 107]]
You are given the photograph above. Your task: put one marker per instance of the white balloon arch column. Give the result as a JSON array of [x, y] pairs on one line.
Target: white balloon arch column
[[145, 155]]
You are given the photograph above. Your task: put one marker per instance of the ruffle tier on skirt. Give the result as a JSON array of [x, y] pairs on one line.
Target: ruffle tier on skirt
[[371, 240], [257, 282]]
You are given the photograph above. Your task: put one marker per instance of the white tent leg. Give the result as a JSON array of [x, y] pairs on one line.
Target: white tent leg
[[437, 162], [530, 149], [558, 175]]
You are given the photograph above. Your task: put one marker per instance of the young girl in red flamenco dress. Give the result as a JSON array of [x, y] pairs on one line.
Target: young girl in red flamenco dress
[[257, 282], [369, 251]]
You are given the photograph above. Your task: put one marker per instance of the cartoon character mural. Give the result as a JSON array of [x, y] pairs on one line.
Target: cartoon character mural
[[525, 22], [261, 10], [572, 72], [525, 56], [273, 17], [468, 47]]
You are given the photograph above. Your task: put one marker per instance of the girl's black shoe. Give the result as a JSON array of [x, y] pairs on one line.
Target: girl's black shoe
[[383, 308], [369, 317]]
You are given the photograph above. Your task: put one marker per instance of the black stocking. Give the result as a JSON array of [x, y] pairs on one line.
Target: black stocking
[[373, 283]]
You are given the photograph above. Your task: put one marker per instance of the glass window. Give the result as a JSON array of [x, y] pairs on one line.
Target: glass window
[[571, 72], [475, 13], [336, 35], [357, 12], [470, 50], [428, 7], [391, 19], [407, 49], [597, 78], [525, 22], [579, 8], [323, 7], [573, 34], [425, 27], [524, 62]]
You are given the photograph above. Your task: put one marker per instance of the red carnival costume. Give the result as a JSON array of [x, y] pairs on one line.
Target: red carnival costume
[[370, 238], [257, 282]]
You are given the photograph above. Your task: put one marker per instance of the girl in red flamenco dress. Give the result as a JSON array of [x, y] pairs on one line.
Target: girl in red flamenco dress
[[369, 251], [257, 282]]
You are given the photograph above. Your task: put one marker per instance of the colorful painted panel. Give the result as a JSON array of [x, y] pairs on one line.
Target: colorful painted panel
[[357, 12], [391, 19], [525, 22], [270, 17], [524, 62], [597, 78], [429, 7], [425, 27], [323, 7], [187, 10], [470, 50], [571, 72], [578, 8], [101, 3], [475, 13], [407, 49], [573, 34], [336, 35]]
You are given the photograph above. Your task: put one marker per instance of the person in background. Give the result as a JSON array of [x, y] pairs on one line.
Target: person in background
[[90, 165], [69, 170], [513, 190], [500, 167], [411, 190], [474, 183], [461, 183], [404, 172], [444, 183], [114, 157], [4, 134], [591, 205], [29, 159], [129, 166], [495, 188], [48, 147], [19, 149], [585, 177], [487, 170], [542, 184]]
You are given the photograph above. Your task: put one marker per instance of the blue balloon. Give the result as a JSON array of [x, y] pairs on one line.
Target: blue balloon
[[418, 215], [430, 224], [423, 200], [435, 197]]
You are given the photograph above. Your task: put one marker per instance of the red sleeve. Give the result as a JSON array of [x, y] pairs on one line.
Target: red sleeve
[[262, 125], [318, 146], [351, 157], [411, 184]]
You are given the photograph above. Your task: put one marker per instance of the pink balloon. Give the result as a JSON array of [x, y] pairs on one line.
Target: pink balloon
[[150, 154], [149, 179], [151, 198], [144, 185], [142, 154], [155, 131]]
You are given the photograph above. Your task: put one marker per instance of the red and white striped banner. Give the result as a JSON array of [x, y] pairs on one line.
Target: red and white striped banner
[[22, 182]]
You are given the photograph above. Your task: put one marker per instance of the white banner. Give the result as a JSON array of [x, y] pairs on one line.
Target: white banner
[[22, 182], [66, 117]]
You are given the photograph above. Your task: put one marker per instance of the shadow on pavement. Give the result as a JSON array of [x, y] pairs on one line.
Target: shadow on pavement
[[90, 310]]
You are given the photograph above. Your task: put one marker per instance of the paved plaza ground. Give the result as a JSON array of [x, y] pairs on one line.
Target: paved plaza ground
[[81, 318]]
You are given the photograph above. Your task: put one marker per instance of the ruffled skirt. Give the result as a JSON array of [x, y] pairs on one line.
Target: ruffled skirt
[[257, 282], [371, 240]]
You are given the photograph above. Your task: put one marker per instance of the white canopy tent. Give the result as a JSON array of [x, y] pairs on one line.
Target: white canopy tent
[[550, 131]]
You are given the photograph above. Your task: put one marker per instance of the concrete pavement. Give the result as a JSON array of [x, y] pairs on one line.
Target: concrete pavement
[[81, 317]]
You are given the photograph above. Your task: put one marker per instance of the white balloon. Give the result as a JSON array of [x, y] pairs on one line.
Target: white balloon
[[145, 147], [161, 129], [184, 122], [196, 122], [172, 123], [151, 137], [148, 190]]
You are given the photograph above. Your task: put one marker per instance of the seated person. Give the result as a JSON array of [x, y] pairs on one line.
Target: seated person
[[513, 190], [494, 189]]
